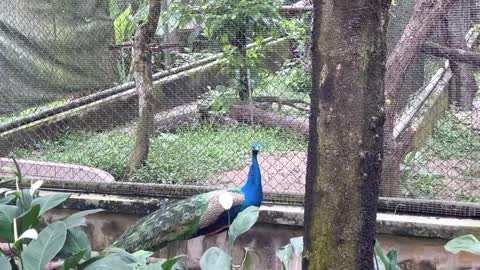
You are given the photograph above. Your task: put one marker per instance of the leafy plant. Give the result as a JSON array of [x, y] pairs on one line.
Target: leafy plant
[[295, 247], [466, 243], [127, 18], [34, 247], [216, 258], [234, 24], [384, 261]]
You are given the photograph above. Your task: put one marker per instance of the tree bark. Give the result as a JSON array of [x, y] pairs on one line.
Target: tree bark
[[346, 134], [427, 13], [240, 42], [142, 72]]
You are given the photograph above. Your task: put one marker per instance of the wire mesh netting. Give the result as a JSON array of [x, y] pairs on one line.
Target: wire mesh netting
[[225, 74]]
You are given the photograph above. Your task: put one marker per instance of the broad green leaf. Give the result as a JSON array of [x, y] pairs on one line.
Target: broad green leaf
[[78, 219], [7, 199], [297, 244], [378, 264], [168, 264], [393, 257], [242, 223], [217, 259], [75, 242], [50, 201], [179, 266], [4, 263], [284, 255], [142, 256], [25, 200], [73, 261], [29, 219], [111, 261], [250, 260], [466, 243], [379, 251], [7, 214], [41, 251]]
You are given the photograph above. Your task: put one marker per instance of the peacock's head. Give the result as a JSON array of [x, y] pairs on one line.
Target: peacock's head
[[256, 147]]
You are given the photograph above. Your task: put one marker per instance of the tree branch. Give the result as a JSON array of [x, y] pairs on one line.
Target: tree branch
[[456, 55]]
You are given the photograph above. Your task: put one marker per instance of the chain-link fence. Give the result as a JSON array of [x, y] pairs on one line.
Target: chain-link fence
[[225, 74]]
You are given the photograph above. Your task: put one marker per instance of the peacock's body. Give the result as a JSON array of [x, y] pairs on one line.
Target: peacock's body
[[201, 214]]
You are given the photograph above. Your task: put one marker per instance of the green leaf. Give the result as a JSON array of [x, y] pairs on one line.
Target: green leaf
[[378, 261], [7, 199], [73, 261], [168, 264], [78, 219], [392, 255], [242, 223], [249, 261], [4, 263], [29, 219], [379, 251], [297, 244], [50, 201], [76, 241], [25, 200], [217, 259], [111, 261], [7, 214], [284, 255], [466, 243], [41, 251], [142, 256]]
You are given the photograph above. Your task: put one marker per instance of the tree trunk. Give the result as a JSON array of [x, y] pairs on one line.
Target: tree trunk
[[346, 134], [240, 42], [142, 72], [427, 13], [464, 85]]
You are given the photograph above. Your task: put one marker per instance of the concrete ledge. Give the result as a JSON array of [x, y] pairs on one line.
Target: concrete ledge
[[387, 223]]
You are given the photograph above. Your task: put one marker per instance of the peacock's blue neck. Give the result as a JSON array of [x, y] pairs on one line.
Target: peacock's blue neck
[[253, 188]]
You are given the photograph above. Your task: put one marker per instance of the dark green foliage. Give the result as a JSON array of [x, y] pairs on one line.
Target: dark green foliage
[[296, 78]]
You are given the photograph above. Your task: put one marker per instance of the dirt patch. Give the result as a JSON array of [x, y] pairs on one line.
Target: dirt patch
[[281, 172]]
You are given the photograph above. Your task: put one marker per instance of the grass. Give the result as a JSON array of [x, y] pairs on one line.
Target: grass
[[189, 156], [453, 140]]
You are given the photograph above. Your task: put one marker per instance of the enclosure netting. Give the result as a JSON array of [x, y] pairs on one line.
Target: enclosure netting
[[226, 74]]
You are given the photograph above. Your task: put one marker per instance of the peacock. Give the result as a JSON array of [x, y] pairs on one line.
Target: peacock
[[198, 215]]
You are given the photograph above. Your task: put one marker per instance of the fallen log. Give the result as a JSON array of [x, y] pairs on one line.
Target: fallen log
[[252, 115]]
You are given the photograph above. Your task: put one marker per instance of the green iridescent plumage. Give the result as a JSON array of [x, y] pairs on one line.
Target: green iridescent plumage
[[178, 220], [201, 214]]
